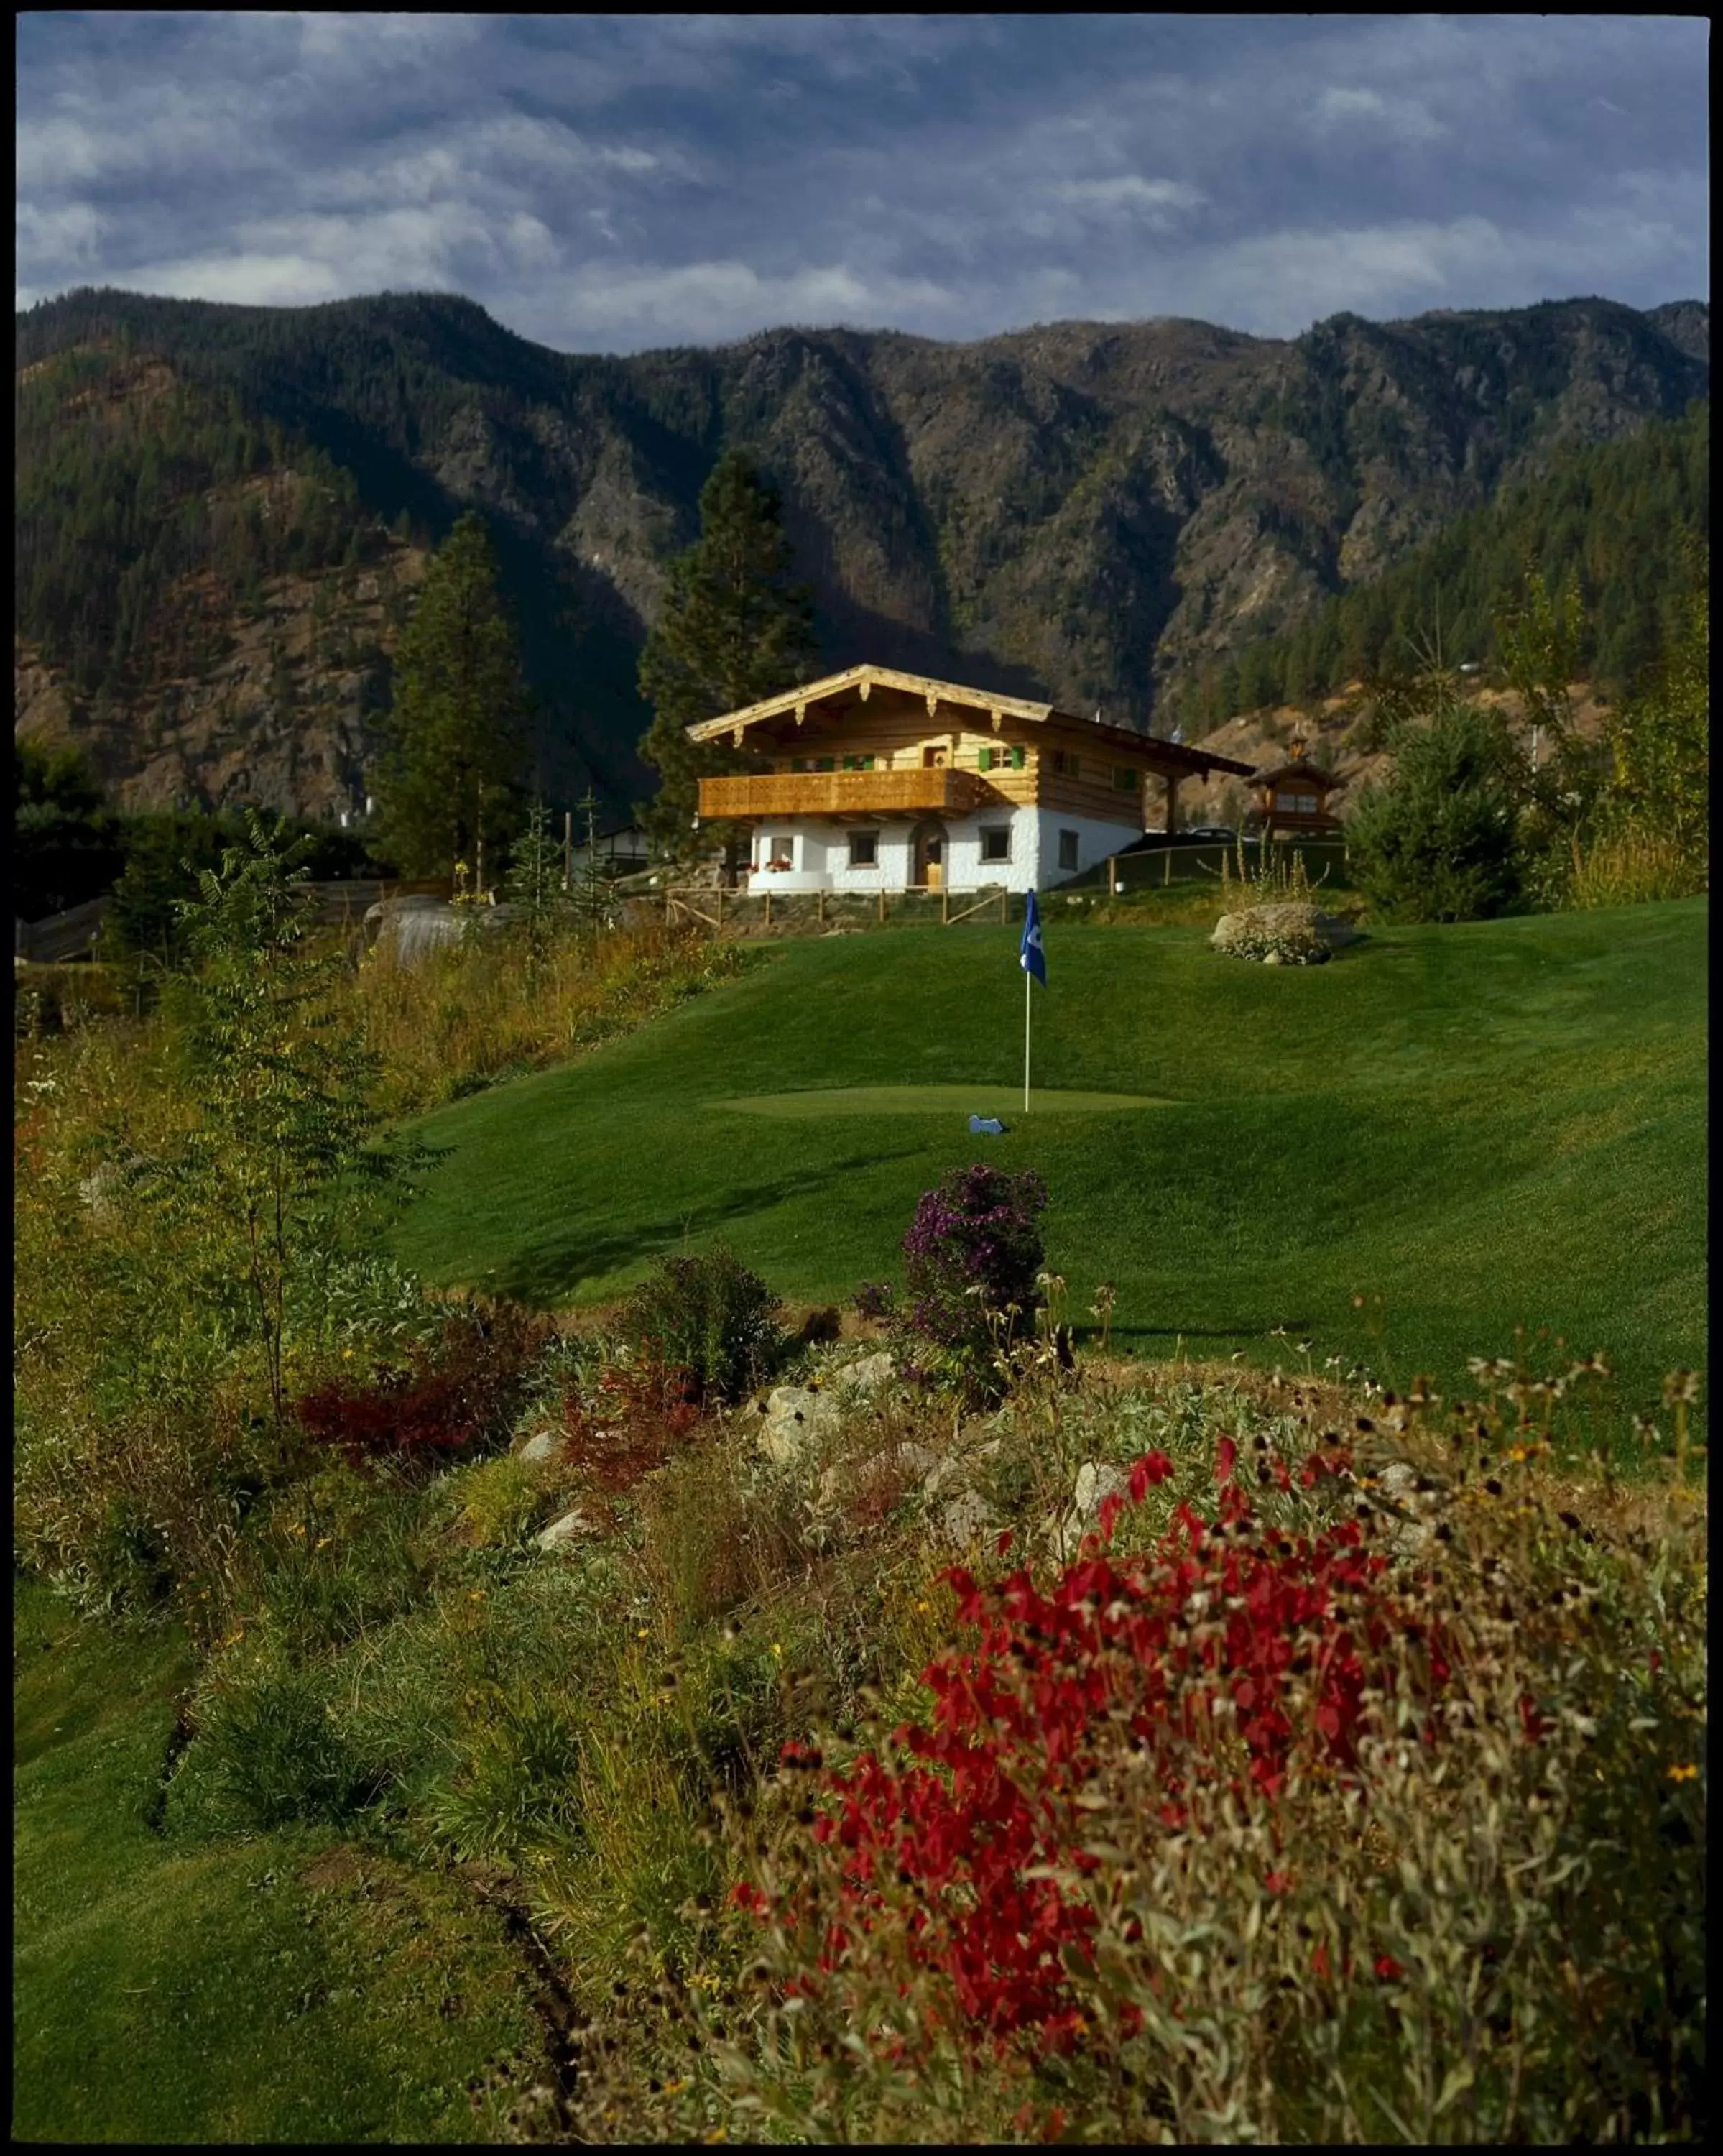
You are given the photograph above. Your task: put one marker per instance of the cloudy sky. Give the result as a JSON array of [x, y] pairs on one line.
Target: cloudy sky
[[614, 183]]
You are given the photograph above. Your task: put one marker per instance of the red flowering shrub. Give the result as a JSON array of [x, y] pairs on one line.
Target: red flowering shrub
[[1222, 1654], [642, 1412], [459, 1393]]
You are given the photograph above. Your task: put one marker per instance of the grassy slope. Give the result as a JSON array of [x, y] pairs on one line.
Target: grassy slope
[[216, 1993], [1484, 1125]]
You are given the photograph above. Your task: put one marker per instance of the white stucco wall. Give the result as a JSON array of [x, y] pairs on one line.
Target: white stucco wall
[[820, 852]]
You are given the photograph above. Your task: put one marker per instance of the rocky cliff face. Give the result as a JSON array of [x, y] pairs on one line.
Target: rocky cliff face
[[1090, 512]]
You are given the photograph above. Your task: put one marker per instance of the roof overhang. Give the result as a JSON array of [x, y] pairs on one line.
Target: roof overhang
[[1172, 757]]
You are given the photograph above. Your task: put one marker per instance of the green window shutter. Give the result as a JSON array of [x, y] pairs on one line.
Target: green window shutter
[[986, 759], [1019, 756]]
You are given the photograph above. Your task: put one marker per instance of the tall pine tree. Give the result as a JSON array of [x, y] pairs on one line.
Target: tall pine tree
[[734, 631], [448, 789]]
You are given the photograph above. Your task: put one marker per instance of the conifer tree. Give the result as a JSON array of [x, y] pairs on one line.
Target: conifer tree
[[734, 631], [536, 887], [448, 789]]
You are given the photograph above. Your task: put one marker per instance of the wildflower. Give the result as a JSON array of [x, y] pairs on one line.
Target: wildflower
[[777, 1650], [1682, 1774], [645, 1632], [1388, 1969]]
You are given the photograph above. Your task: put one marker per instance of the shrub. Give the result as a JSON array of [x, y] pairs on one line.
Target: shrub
[[1440, 841], [515, 1789], [708, 1315], [1314, 1819], [501, 1501], [638, 1415], [1634, 863], [461, 1392], [874, 1299], [266, 1754], [971, 1257]]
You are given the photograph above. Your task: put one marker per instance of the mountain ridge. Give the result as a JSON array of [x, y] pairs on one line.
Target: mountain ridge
[[1096, 513]]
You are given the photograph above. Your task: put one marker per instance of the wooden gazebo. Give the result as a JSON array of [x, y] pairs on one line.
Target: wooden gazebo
[[1293, 797]]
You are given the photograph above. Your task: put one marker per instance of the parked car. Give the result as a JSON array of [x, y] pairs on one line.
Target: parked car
[[1213, 834]]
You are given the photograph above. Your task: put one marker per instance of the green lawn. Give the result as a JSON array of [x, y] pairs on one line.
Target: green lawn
[[1485, 1126], [278, 1989]]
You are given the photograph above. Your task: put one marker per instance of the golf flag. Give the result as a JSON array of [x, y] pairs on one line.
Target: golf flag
[[1031, 957]]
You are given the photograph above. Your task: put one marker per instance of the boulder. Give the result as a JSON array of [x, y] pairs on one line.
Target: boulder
[[909, 1462], [543, 1445], [966, 1520], [796, 1416], [1096, 1482], [866, 1375], [1288, 934], [560, 1533], [411, 928]]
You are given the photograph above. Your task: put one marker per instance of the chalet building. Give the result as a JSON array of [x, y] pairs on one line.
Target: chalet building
[[1292, 798], [617, 849], [873, 780]]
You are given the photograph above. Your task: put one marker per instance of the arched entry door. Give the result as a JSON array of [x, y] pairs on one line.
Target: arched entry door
[[929, 856]]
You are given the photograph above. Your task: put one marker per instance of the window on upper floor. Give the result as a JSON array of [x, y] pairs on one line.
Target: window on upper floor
[[1064, 762], [1125, 779]]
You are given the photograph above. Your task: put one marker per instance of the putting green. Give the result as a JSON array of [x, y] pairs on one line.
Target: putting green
[[1000, 1100]]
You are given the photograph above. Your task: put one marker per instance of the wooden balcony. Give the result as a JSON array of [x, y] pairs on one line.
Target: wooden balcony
[[937, 792]]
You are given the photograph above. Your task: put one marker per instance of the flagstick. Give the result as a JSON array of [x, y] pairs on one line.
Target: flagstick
[[1029, 982]]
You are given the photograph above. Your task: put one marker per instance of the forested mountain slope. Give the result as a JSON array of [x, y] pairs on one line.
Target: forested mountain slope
[[221, 510]]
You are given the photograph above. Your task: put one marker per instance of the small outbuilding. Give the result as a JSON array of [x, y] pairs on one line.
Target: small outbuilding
[[1293, 797]]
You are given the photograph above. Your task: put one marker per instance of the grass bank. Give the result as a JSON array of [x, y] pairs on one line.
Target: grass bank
[[284, 1987], [1399, 1158]]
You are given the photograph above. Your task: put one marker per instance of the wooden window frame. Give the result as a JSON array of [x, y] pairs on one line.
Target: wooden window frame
[[989, 833], [870, 840]]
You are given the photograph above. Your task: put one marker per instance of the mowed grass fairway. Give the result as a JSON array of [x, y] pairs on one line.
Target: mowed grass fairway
[[1486, 1126]]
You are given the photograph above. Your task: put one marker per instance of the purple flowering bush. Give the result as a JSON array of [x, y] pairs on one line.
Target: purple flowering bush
[[971, 1259]]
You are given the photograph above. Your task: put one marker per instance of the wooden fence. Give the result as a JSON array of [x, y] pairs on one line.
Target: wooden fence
[[718, 909], [1157, 866]]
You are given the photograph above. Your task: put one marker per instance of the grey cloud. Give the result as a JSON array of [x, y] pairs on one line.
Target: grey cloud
[[610, 181]]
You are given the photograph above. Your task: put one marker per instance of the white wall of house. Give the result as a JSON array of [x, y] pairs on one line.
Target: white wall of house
[[819, 852]]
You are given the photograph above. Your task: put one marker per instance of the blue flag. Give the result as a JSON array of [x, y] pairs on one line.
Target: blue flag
[[1031, 957]]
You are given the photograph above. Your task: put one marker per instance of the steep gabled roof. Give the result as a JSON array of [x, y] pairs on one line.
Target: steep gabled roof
[[1165, 756], [1300, 767]]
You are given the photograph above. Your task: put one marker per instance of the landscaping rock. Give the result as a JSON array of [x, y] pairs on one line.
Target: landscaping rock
[[560, 1533], [865, 1376], [100, 1189], [795, 1417], [910, 1462], [413, 928], [966, 1520], [1096, 1482], [1289, 934]]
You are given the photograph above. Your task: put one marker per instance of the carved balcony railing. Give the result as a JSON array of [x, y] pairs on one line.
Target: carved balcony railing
[[940, 791]]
